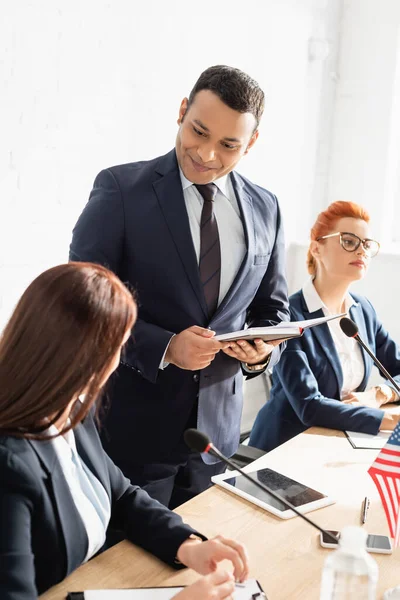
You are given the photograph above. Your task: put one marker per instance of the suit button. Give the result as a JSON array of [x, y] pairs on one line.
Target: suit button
[[196, 377]]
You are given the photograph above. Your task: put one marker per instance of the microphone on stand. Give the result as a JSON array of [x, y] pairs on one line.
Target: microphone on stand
[[350, 329], [199, 442]]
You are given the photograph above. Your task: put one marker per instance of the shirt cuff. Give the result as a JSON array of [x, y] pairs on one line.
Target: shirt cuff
[[163, 363]]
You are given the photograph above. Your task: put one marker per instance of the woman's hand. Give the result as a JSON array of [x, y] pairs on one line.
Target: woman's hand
[[204, 557], [389, 421], [214, 586], [368, 398], [374, 397]]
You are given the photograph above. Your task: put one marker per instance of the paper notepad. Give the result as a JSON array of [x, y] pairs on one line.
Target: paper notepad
[[242, 592], [365, 441], [282, 331]]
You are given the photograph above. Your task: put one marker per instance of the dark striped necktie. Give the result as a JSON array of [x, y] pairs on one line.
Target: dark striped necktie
[[210, 250]]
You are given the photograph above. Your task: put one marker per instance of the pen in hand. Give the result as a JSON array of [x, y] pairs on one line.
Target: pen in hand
[[364, 510]]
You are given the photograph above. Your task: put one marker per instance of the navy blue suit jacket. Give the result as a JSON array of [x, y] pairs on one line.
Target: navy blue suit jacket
[[308, 379], [42, 536], [136, 224]]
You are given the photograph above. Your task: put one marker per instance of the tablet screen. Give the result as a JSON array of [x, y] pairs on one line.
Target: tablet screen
[[294, 492]]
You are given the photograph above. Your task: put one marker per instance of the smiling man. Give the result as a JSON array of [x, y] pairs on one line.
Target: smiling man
[[203, 247]]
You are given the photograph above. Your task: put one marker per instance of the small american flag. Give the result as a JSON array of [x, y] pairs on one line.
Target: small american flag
[[385, 471]]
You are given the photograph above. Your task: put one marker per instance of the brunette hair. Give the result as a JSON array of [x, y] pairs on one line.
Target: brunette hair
[[235, 88], [58, 344], [326, 221]]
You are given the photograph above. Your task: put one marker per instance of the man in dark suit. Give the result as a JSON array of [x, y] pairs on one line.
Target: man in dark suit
[[203, 247]]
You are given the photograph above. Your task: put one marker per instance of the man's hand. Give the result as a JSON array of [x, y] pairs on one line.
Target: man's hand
[[251, 354], [216, 586], [204, 557], [194, 348]]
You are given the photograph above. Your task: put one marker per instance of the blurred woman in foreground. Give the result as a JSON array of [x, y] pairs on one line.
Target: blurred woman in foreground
[[59, 491], [321, 379]]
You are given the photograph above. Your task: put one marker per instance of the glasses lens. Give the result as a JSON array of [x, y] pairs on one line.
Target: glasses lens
[[349, 242], [371, 247]]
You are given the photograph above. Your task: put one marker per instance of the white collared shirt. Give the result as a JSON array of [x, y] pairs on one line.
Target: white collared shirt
[[349, 351], [230, 227], [89, 496]]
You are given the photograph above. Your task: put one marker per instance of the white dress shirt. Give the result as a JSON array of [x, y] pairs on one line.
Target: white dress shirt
[[349, 351], [230, 229], [90, 497]]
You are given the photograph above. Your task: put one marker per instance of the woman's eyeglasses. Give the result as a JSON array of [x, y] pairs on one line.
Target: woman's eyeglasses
[[350, 242]]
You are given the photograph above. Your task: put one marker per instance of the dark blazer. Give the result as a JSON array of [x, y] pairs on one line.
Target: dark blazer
[[42, 537], [308, 379], [136, 224]]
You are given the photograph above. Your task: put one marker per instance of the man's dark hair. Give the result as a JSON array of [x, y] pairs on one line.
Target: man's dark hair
[[236, 89]]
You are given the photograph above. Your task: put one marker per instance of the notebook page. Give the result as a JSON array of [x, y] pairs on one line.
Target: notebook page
[[242, 592]]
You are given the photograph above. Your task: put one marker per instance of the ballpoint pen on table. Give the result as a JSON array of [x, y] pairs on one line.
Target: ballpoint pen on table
[[364, 510], [256, 596]]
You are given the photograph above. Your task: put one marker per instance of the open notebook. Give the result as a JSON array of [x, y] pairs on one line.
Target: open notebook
[[247, 591], [283, 331], [365, 441]]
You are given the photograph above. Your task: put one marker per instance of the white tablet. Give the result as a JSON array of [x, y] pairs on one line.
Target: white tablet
[[304, 498]]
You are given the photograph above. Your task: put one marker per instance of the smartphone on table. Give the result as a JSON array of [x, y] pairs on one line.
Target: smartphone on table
[[380, 544]]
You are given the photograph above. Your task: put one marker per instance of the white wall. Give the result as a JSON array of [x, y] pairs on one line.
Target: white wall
[[84, 85], [365, 151], [90, 84], [364, 163]]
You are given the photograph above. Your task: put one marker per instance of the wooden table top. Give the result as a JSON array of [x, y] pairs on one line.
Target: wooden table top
[[285, 555]]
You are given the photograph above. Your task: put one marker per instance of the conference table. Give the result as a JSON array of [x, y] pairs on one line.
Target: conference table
[[285, 555]]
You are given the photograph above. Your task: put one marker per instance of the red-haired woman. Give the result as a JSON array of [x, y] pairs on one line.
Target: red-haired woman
[[321, 379], [59, 491]]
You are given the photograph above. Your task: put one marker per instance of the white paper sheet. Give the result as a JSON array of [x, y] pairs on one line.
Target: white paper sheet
[[367, 441], [241, 593]]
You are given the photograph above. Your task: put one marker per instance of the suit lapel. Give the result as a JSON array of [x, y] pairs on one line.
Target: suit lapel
[[75, 538], [323, 335], [172, 204], [357, 316], [245, 204]]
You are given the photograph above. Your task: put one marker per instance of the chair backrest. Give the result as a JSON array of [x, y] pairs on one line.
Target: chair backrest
[[255, 395]]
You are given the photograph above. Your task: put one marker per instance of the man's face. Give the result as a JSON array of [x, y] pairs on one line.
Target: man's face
[[212, 137]]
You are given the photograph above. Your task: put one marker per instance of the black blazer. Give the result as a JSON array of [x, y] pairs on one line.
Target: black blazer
[[42, 537], [136, 224]]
